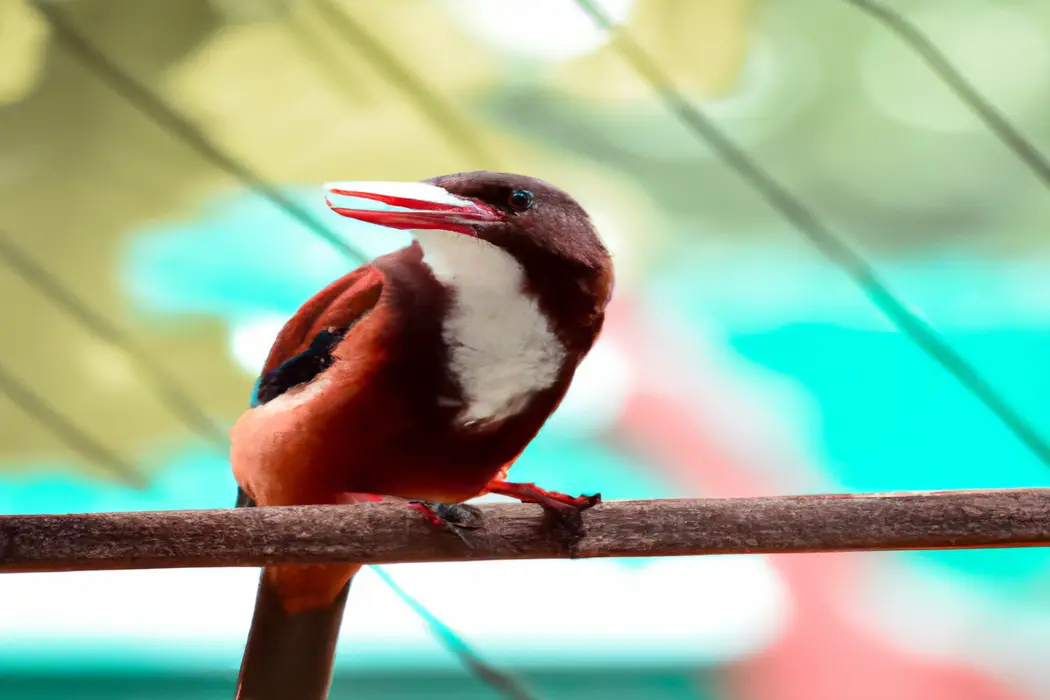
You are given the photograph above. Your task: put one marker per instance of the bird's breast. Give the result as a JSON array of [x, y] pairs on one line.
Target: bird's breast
[[500, 346], [417, 405]]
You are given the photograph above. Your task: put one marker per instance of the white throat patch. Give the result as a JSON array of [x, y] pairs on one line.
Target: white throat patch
[[501, 346]]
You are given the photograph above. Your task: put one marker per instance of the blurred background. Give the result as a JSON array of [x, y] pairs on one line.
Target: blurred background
[[144, 273]]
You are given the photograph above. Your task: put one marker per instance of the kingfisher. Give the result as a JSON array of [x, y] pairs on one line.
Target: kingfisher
[[420, 376]]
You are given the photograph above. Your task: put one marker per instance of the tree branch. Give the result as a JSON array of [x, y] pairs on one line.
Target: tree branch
[[389, 532]]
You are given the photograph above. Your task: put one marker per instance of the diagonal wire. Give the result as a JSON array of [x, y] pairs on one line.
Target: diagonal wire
[[494, 678], [445, 117], [161, 382], [458, 132], [38, 408], [938, 62], [182, 129], [48, 416], [824, 239], [77, 440]]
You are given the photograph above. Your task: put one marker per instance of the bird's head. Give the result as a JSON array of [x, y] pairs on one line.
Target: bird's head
[[471, 225]]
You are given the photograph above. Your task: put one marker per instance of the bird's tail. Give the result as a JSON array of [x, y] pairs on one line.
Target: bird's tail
[[289, 655]]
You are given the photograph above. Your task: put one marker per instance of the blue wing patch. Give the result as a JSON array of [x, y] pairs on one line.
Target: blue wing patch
[[255, 402], [298, 369]]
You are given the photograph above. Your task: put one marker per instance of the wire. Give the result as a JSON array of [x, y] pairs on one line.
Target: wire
[[806, 222], [458, 132], [182, 129], [77, 440], [163, 384], [498, 680], [994, 119], [150, 104]]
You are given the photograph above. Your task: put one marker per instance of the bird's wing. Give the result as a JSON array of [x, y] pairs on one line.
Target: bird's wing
[[303, 348]]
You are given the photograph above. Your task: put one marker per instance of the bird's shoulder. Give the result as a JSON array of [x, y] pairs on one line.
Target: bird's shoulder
[[303, 348]]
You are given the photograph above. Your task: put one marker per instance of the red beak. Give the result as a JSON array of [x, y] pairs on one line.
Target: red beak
[[422, 206]]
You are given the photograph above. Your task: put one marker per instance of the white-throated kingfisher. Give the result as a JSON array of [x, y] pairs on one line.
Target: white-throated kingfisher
[[421, 375]]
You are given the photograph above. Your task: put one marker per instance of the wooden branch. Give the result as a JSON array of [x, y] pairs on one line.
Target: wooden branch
[[389, 532]]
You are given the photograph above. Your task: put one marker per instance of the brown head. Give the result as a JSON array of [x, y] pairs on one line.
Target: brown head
[[455, 218]]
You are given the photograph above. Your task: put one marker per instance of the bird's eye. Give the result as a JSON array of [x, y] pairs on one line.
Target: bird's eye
[[520, 200]]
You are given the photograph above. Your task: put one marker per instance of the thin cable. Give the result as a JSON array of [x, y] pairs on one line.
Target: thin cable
[[442, 115], [163, 384], [807, 223], [151, 105], [77, 440], [181, 128], [938, 62], [498, 680]]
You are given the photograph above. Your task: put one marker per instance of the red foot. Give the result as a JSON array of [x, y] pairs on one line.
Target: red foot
[[457, 518], [530, 493], [432, 517]]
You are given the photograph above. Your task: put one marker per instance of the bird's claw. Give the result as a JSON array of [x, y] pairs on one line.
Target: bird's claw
[[452, 517], [550, 500], [563, 511], [565, 517], [562, 503]]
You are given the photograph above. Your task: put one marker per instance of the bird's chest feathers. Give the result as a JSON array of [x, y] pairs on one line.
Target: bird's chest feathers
[[500, 346]]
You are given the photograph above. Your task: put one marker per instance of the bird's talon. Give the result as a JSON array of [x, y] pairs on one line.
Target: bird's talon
[[565, 515], [583, 502], [452, 517]]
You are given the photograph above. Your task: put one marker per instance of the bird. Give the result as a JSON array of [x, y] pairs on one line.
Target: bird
[[419, 376]]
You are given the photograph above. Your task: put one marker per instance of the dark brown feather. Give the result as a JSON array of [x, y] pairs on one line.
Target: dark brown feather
[[289, 655]]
